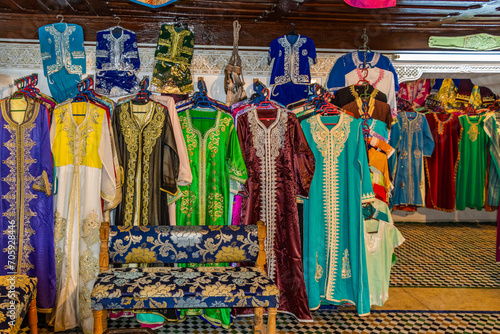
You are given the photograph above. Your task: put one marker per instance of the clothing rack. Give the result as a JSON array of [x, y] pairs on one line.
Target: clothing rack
[[31, 79]]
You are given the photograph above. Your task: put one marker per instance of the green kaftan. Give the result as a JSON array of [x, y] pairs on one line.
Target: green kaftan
[[215, 157], [471, 174]]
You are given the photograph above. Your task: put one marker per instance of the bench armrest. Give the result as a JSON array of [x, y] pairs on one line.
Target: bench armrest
[[104, 252], [261, 258]]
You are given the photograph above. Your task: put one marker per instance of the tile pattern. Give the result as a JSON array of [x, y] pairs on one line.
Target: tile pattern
[[459, 256], [331, 321]]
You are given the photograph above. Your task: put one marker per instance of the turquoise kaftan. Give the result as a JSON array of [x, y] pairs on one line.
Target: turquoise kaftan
[[334, 249]]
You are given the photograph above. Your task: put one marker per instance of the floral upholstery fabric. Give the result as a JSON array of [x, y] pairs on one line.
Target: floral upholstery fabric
[[16, 290], [167, 287], [183, 244]]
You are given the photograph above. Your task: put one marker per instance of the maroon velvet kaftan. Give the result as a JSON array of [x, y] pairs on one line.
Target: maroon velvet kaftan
[[280, 166], [440, 166]]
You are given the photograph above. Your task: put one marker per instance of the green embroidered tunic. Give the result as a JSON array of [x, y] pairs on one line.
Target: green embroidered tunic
[[471, 174], [215, 157]]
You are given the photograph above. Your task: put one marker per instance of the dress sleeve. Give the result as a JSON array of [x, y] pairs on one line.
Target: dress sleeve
[[394, 142], [312, 53], [428, 140], [367, 194], [108, 180], [234, 158], [117, 168], [170, 169], [303, 161], [46, 155], [336, 78], [272, 52]]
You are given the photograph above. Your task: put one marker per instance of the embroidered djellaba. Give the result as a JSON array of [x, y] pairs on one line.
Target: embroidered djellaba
[[215, 158], [412, 139], [148, 155], [471, 173], [173, 55], [280, 167], [291, 57], [85, 172], [492, 129], [63, 58], [440, 166], [117, 62], [334, 249], [27, 220]]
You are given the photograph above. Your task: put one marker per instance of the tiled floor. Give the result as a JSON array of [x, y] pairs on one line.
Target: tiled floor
[[409, 309]]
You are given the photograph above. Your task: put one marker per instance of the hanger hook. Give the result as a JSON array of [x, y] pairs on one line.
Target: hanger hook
[[119, 20], [60, 16]]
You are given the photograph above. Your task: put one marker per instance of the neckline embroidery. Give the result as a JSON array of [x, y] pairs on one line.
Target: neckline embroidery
[[371, 63]]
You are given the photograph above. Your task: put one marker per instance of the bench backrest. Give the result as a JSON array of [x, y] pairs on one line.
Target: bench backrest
[[182, 244]]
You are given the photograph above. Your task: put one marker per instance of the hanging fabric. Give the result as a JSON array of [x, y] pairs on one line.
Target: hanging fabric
[[234, 84]]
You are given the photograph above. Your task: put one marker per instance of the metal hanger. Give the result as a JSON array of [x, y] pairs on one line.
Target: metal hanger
[[117, 28], [60, 16]]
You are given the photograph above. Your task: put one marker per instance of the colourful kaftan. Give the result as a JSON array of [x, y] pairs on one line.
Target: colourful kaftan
[[440, 166], [27, 220], [215, 157], [334, 248], [280, 167], [85, 172], [381, 238], [413, 141], [148, 155], [492, 129], [471, 173]]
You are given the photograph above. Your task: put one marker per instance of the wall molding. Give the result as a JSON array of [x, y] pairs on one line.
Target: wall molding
[[212, 61]]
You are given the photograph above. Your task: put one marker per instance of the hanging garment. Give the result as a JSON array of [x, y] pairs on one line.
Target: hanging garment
[[381, 238], [117, 62], [447, 96], [280, 166], [380, 79], [85, 173], [492, 129], [27, 218], [415, 92], [63, 58], [344, 95], [173, 55], [291, 58], [413, 141], [471, 173], [351, 61], [334, 248], [376, 109], [441, 165], [215, 157], [148, 155]]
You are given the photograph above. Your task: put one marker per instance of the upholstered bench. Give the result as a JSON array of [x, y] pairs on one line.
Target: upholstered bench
[[176, 287], [17, 297]]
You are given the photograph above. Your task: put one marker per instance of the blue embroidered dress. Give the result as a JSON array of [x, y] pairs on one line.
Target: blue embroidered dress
[[412, 139], [291, 57], [117, 62], [27, 218], [63, 57], [334, 250]]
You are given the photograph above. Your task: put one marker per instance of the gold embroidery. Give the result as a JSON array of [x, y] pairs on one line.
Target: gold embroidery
[[473, 132], [215, 206], [319, 270], [84, 304], [90, 229], [89, 266], [174, 46], [131, 137], [187, 202], [151, 133], [191, 141]]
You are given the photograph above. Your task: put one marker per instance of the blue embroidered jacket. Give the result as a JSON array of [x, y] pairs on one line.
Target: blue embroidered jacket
[[117, 50], [292, 55], [61, 45]]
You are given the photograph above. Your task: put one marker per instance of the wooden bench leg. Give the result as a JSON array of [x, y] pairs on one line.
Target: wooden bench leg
[[258, 321], [104, 320], [98, 322], [33, 317], [271, 320]]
